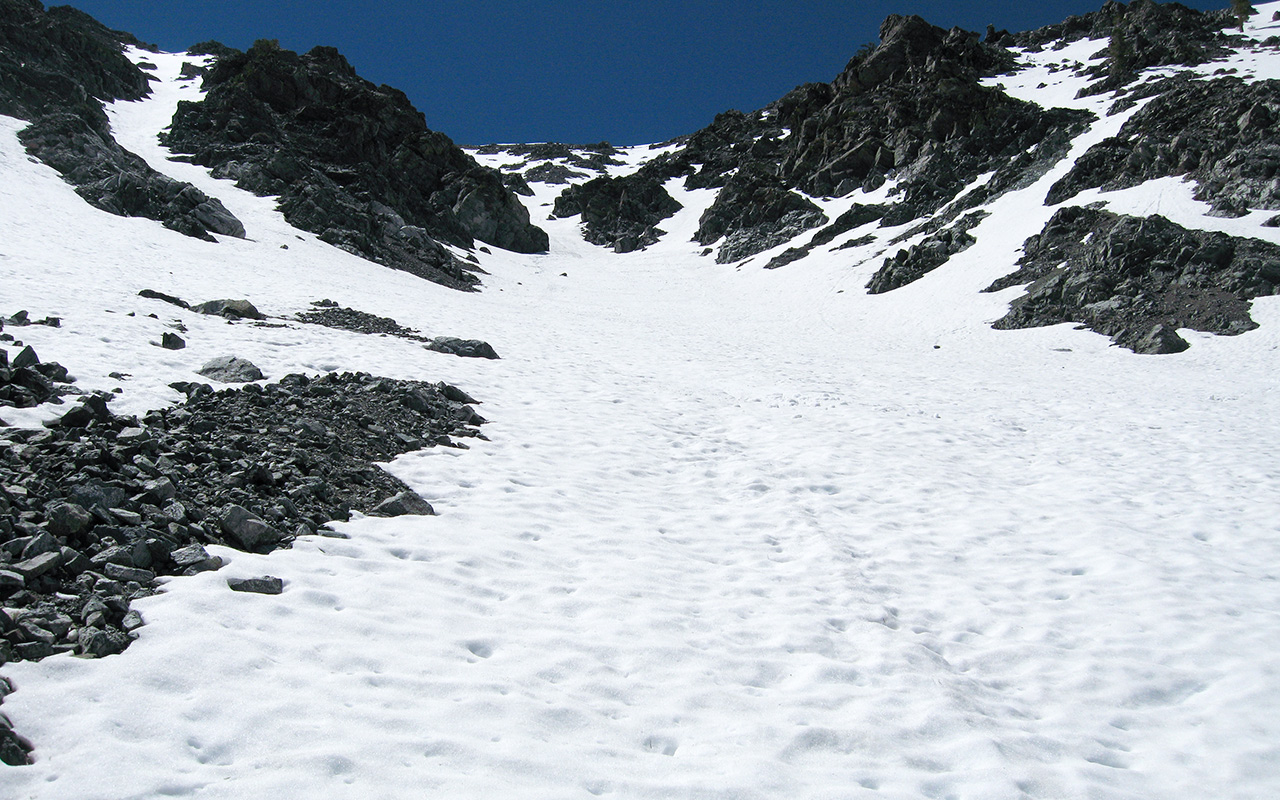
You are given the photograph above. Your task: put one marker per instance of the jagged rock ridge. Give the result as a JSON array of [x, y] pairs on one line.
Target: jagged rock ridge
[[56, 69], [350, 161], [913, 108]]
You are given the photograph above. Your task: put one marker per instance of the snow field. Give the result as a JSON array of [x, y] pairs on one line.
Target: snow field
[[737, 533]]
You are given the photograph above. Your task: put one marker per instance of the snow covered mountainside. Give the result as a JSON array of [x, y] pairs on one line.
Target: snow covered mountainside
[[810, 467]]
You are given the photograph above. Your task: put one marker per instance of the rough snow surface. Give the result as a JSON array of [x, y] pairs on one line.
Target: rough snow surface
[[738, 533]]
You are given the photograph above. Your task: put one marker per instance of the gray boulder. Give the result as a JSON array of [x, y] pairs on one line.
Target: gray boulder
[[230, 369], [407, 502], [1161, 340], [467, 348], [247, 529], [267, 584], [231, 309]]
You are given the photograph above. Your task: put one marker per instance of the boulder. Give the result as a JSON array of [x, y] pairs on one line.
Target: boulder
[[231, 309], [247, 529], [26, 357], [68, 520], [407, 502], [230, 369], [265, 584], [98, 643], [1160, 340], [467, 348], [32, 568]]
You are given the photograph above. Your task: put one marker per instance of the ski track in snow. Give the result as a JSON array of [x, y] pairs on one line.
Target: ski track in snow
[[738, 533]]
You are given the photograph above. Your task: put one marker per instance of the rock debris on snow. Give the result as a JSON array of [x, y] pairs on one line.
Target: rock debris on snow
[[96, 507]]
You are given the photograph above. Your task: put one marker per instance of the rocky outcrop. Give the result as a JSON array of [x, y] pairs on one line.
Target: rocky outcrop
[[545, 160], [912, 107], [857, 216], [914, 263], [56, 69], [755, 212], [1220, 133], [350, 161], [1138, 279], [621, 213], [63, 61], [1141, 35]]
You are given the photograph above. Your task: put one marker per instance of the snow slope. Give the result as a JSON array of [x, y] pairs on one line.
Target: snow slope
[[738, 533]]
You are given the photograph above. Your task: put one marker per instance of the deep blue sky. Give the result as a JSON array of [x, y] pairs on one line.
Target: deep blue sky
[[574, 71]]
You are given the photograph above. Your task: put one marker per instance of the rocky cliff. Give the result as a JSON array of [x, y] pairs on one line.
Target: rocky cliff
[[920, 114], [57, 67], [350, 161]]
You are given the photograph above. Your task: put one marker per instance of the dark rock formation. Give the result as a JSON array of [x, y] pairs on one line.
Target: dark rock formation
[[1138, 279], [152, 294], [855, 217], [912, 264], [406, 503], [1220, 133], [1148, 34], [56, 69], [331, 315], [26, 382], [96, 507], [467, 348], [552, 173], [555, 158], [91, 514], [912, 107], [758, 212], [230, 309], [266, 584], [352, 162], [621, 213]]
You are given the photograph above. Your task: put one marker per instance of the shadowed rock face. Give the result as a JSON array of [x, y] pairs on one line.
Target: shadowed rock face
[[913, 263], [1154, 34], [56, 69], [350, 161], [621, 213], [1137, 279], [1220, 133], [912, 107], [754, 212]]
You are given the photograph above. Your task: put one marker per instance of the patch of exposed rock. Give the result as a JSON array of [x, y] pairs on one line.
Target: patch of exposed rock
[[755, 212], [350, 161], [56, 69], [1220, 133], [25, 381], [1142, 34], [96, 507], [914, 263], [622, 213], [551, 160], [1138, 279], [331, 315]]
